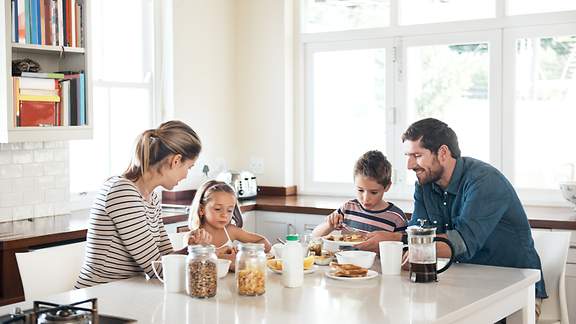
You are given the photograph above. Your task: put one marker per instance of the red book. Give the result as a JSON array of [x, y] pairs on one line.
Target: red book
[[37, 113]]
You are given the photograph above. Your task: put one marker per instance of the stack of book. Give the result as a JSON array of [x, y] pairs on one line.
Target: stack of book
[[47, 22], [49, 99]]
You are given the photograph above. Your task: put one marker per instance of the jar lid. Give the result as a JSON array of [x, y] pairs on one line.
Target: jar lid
[[251, 246], [203, 248], [292, 237]]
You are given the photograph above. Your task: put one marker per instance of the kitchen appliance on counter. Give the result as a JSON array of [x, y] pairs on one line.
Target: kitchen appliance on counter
[[74, 313], [244, 182]]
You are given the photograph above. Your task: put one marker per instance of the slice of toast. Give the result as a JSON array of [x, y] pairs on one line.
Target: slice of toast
[[347, 270]]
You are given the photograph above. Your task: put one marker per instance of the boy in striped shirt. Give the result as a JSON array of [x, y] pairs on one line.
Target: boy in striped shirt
[[369, 212]]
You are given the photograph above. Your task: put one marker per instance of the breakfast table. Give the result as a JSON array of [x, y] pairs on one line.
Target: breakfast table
[[465, 293]]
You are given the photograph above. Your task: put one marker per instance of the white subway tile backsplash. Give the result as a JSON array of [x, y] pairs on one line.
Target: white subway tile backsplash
[[44, 182], [56, 195], [43, 156], [61, 208], [23, 184], [33, 197], [23, 212], [5, 185], [10, 199], [55, 168], [33, 169], [43, 210], [60, 155], [33, 146], [34, 180], [5, 214], [10, 171], [55, 145], [5, 157], [21, 157]]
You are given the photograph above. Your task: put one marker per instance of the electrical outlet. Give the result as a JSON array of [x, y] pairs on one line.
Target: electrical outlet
[[256, 165]]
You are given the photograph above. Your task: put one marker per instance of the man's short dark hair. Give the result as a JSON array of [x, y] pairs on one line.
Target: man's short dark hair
[[432, 134]]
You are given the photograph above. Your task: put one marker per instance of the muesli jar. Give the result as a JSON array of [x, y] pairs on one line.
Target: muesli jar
[[201, 272], [251, 269]]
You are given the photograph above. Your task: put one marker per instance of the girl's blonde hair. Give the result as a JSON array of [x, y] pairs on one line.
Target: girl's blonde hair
[[154, 145], [203, 196]]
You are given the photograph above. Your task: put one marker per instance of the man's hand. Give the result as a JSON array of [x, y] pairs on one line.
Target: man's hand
[[371, 244]]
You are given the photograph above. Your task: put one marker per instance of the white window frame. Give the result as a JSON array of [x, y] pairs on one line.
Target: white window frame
[[311, 49], [497, 31], [84, 199], [533, 196], [493, 38]]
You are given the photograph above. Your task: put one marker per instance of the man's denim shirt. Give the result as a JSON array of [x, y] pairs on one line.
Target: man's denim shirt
[[482, 216]]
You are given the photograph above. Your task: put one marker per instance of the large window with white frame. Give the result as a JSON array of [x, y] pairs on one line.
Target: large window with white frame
[[123, 69], [501, 73]]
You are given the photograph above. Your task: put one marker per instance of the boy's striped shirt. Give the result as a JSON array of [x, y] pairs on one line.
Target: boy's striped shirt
[[391, 219]]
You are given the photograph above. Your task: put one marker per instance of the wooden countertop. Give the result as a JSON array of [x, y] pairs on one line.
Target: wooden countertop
[[47, 230]]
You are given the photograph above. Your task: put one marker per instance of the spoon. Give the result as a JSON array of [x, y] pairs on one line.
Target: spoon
[[280, 240]]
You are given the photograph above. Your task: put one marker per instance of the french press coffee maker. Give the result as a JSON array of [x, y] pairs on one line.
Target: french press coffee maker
[[422, 246]]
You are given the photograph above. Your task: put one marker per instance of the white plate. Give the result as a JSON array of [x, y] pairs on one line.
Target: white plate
[[311, 270], [341, 243], [371, 274]]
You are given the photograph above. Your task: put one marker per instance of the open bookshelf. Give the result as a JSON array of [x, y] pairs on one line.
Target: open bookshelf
[[52, 58]]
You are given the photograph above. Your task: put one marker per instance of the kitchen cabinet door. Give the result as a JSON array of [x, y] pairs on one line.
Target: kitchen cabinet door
[[249, 219], [305, 223], [274, 225]]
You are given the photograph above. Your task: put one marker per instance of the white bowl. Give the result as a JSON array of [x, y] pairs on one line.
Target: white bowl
[[223, 266], [569, 191], [363, 259]]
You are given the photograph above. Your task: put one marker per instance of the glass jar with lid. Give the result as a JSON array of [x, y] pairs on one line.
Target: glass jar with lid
[[201, 271], [251, 269]]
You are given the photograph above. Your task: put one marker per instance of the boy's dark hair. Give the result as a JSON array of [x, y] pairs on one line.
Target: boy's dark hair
[[432, 134], [374, 164]]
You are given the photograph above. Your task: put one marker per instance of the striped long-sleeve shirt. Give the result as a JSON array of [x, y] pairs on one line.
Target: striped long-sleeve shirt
[[125, 234], [391, 219]]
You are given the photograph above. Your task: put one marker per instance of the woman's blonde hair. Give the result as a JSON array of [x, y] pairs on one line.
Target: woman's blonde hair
[[203, 196], [154, 145]]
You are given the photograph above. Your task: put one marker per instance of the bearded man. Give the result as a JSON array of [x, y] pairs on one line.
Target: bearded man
[[469, 201]]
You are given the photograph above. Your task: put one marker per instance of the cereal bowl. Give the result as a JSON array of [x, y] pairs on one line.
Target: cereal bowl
[[223, 267], [363, 259]]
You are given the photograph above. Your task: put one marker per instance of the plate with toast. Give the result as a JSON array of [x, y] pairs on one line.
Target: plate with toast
[[349, 272]]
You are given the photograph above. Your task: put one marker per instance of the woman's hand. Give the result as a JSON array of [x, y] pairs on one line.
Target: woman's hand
[[199, 236]]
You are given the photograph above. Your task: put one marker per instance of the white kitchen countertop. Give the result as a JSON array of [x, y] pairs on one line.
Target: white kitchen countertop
[[464, 294]]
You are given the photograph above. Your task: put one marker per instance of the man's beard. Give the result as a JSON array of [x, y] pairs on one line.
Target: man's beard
[[430, 175]]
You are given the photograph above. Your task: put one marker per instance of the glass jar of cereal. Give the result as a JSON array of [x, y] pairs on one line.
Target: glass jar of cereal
[[251, 269], [201, 272]]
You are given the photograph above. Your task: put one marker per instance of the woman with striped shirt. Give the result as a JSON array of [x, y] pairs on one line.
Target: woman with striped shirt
[[126, 232]]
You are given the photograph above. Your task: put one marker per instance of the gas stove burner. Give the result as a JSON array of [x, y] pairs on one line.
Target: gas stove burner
[[49, 313]]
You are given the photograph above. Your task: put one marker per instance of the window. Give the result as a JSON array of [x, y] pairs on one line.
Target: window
[[351, 110], [429, 11], [330, 15], [506, 87], [544, 101], [123, 66]]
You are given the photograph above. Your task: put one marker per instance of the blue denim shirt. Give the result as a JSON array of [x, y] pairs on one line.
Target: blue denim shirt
[[482, 216]]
